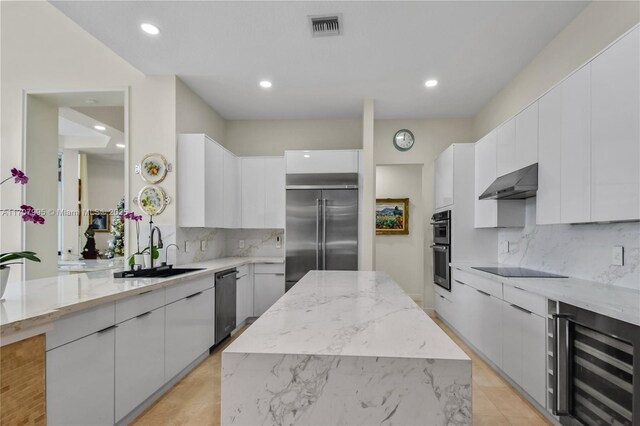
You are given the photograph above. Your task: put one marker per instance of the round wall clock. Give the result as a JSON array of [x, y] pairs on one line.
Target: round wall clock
[[153, 168], [403, 140]]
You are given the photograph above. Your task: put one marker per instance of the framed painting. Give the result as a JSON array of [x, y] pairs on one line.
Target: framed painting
[[100, 220], [392, 216]]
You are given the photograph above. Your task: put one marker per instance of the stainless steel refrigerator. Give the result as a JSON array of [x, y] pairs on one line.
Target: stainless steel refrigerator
[[321, 224]]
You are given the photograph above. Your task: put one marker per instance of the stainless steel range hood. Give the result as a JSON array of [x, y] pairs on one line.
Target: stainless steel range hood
[[516, 185]]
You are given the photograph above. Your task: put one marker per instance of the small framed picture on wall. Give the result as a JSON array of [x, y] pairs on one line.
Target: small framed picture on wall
[[392, 216], [100, 220]]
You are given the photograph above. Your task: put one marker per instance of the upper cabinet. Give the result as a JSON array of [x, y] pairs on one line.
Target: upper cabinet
[[200, 181], [263, 192], [615, 131], [590, 141], [231, 191], [322, 161], [444, 178], [517, 141], [493, 213]]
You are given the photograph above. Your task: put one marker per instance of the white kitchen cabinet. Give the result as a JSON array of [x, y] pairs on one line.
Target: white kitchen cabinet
[[506, 148], [80, 381], [188, 330], [492, 213], [268, 286], [444, 178], [615, 133], [200, 169], [263, 192], [253, 192], [564, 168], [231, 191], [275, 206], [517, 141], [244, 295], [526, 149], [139, 360], [524, 350], [321, 161]]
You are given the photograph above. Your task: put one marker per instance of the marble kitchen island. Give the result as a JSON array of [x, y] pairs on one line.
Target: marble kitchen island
[[345, 348]]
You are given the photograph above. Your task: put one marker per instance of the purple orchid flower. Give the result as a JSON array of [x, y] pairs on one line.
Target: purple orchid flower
[[29, 215], [18, 176]]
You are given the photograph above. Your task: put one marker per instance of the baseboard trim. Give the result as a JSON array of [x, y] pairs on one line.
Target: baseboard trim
[[432, 313]]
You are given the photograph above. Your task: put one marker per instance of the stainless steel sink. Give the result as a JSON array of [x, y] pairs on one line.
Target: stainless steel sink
[[159, 272]]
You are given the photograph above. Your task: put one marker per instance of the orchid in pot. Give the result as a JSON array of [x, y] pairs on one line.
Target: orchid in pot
[[28, 214], [140, 257]]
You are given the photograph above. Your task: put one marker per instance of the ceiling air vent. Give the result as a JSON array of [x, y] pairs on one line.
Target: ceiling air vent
[[326, 25]]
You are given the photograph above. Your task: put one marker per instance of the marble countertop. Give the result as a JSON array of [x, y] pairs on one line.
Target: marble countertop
[[36, 302], [89, 265], [347, 313], [617, 302]]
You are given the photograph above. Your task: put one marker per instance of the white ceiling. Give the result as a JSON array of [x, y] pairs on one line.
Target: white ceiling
[[388, 49]]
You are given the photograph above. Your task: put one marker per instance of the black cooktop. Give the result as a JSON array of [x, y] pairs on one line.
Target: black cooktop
[[515, 272]]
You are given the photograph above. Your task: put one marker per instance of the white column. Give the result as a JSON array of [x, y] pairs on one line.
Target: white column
[[367, 191]]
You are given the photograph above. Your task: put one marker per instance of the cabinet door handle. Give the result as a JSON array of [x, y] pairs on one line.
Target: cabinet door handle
[[194, 295], [518, 288], [483, 292], [521, 309], [144, 315], [459, 282], [441, 296], [279, 273], [104, 330], [145, 292]]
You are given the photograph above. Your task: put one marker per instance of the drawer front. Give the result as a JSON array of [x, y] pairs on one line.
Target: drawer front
[[268, 268], [494, 288], [525, 299], [139, 304], [80, 324], [243, 270], [182, 290]]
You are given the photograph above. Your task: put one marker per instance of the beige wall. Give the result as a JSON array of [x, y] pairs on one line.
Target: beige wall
[[43, 50], [432, 137], [597, 26], [401, 256], [193, 115], [273, 137]]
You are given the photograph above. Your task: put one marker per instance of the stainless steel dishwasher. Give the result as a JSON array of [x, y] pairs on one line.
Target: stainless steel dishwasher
[[225, 304]]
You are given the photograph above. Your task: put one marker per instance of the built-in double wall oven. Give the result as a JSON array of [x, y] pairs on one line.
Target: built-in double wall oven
[[441, 224], [596, 371]]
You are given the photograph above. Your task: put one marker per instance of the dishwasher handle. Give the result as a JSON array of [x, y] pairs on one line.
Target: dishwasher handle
[[225, 275]]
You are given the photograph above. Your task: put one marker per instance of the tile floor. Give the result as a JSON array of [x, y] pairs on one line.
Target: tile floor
[[195, 400]]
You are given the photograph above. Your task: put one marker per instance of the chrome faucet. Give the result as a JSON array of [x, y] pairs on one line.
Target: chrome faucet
[[166, 252], [152, 230]]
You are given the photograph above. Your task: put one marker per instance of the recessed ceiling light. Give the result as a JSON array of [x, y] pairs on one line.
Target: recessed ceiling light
[[265, 84], [120, 145], [99, 127], [150, 28], [431, 83], [307, 156]]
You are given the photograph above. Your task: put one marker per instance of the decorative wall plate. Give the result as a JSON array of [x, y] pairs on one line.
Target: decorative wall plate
[[152, 200], [153, 168]]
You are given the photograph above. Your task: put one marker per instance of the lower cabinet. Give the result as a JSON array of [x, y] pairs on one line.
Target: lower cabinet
[[80, 385], [244, 295], [268, 288], [523, 349], [188, 330], [139, 360]]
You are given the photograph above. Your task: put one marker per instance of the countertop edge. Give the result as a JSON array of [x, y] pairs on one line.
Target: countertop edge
[[51, 316]]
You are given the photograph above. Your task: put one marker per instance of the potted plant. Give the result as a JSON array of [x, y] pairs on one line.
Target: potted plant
[[140, 257], [28, 214]]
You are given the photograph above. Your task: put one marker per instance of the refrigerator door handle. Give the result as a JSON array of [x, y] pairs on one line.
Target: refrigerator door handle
[[317, 233], [324, 234]]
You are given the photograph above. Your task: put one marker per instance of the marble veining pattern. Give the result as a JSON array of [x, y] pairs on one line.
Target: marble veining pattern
[[330, 352], [580, 251], [258, 242]]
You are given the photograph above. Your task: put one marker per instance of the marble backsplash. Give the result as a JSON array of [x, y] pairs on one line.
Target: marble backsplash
[[215, 244], [579, 251], [257, 242]]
